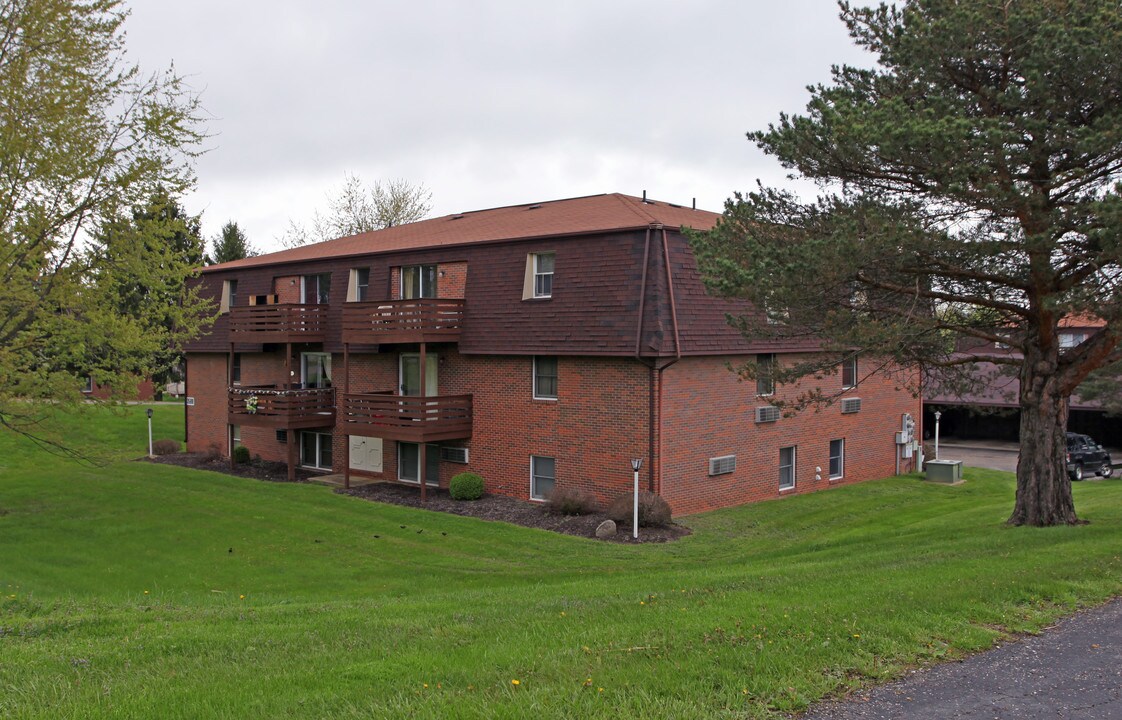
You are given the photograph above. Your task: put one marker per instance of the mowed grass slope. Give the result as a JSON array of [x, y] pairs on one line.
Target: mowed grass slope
[[139, 590]]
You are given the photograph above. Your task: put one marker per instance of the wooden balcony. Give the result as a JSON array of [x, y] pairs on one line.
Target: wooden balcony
[[278, 323], [408, 418], [281, 409], [403, 321]]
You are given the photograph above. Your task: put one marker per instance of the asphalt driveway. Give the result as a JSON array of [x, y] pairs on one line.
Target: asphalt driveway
[[1073, 671]]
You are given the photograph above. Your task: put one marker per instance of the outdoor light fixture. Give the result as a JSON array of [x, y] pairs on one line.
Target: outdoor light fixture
[[937, 416], [636, 463], [150, 433]]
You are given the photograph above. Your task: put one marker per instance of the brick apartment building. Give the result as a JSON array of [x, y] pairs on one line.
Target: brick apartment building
[[538, 345]]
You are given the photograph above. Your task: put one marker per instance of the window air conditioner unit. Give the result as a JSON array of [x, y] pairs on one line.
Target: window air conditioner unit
[[851, 405], [767, 414], [722, 465]]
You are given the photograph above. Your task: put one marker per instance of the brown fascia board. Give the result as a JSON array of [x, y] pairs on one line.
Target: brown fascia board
[[427, 248]]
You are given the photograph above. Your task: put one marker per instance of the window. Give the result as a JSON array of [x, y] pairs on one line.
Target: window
[[765, 382], [543, 275], [229, 295], [837, 459], [849, 372], [235, 437], [538, 282], [409, 463], [418, 281], [787, 468], [236, 369], [315, 450], [316, 289], [315, 370], [1071, 339], [543, 474], [545, 378], [359, 285], [88, 384]]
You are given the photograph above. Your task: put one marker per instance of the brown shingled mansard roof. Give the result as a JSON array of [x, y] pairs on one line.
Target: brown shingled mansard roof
[[574, 216]]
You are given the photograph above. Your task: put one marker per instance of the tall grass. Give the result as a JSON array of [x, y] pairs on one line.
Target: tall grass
[[139, 590]]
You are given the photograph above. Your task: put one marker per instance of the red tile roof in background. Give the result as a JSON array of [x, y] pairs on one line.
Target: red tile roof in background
[[574, 216]]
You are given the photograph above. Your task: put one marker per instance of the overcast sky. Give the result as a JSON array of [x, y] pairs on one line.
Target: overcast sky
[[489, 102]]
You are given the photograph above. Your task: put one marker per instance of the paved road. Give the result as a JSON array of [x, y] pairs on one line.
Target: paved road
[[995, 455], [1071, 672]]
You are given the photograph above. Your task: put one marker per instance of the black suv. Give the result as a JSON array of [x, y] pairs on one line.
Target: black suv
[[1086, 457]]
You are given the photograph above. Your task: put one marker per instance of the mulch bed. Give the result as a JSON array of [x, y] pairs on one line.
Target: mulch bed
[[489, 507]]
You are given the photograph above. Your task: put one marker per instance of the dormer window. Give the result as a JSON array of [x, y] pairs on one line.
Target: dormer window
[[539, 276], [229, 295]]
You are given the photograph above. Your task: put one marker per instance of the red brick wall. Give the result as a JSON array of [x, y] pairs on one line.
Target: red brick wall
[[708, 412], [597, 424], [287, 289]]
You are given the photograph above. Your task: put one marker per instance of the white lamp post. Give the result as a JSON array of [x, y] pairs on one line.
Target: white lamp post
[[937, 416], [636, 463], [150, 433]]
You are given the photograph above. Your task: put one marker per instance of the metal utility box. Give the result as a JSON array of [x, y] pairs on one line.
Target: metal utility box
[[944, 471]]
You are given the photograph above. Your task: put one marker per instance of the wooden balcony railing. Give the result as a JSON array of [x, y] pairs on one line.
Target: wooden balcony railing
[[406, 417], [266, 405], [278, 323], [403, 321]]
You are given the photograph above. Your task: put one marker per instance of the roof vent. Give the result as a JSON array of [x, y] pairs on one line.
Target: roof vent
[[534, 207], [457, 217]]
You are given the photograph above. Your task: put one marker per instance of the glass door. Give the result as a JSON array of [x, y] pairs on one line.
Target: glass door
[[411, 374], [418, 281], [409, 463], [315, 370]]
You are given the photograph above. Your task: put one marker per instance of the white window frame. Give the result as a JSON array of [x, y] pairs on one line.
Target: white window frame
[[556, 378], [772, 362], [421, 448], [236, 364], [849, 362], [304, 369], [538, 293], [356, 291], [841, 459], [433, 286], [319, 288], [794, 467], [235, 437], [534, 475], [229, 295], [319, 450]]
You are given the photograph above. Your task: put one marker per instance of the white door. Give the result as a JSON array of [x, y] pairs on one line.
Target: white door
[[366, 454]]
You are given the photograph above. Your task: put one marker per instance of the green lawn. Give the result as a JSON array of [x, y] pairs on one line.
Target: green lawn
[[140, 591]]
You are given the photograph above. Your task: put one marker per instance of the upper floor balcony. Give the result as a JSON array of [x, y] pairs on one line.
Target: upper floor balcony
[[403, 321], [408, 418], [282, 409], [278, 323]]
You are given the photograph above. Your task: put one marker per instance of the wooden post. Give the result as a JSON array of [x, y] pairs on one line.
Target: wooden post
[[421, 449], [342, 416], [292, 435]]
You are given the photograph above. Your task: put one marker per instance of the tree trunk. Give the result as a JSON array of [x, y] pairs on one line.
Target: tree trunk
[[1043, 485]]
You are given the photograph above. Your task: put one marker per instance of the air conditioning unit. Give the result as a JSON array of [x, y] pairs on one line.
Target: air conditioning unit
[[851, 405], [767, 414], [722, 465], [454, 454]]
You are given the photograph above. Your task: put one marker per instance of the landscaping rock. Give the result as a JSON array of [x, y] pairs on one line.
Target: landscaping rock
[[606, 529]]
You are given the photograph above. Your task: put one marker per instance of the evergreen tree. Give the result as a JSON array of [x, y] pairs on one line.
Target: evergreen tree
[[971, 200], [231, 244]]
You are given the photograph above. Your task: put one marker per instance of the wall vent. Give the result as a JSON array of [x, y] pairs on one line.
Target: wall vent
[[282, 437], [722, 465], [767, 414], [454, 454], [851, 405]]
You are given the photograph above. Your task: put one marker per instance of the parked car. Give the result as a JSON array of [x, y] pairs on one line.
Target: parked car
[[1086, 457]]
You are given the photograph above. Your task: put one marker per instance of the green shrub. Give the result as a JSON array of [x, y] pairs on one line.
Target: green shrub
[[241, 454], [167, 446], [653, 510], [466, 486], [570, 501]]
